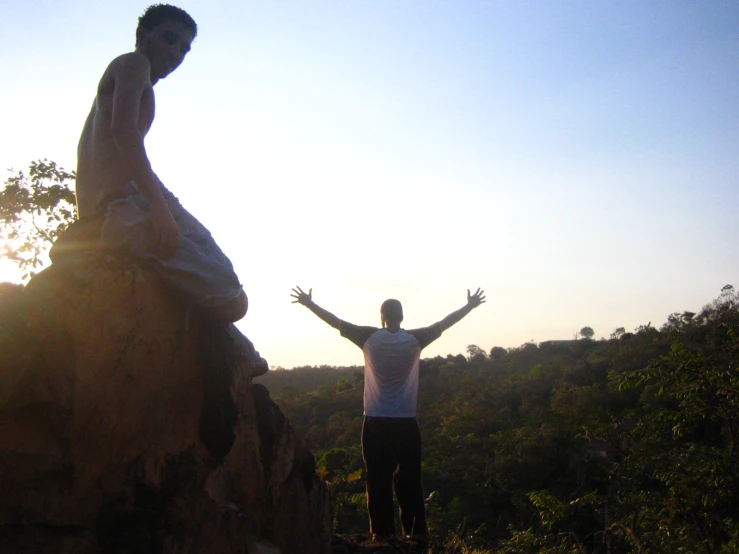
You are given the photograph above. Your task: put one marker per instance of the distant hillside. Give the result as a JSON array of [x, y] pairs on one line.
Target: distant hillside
[[309, 378], [624, 445]]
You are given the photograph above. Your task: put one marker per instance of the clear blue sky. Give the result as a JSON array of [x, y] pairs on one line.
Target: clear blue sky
[[577, 160]]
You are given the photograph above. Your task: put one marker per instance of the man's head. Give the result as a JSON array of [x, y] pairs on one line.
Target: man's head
[[164, 36], [159, 13], [391, 312]]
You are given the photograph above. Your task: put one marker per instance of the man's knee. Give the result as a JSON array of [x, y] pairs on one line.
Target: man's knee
[[233, 310]]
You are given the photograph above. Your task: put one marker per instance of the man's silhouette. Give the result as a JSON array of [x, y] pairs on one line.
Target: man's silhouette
[[116, 184], [391, 439]]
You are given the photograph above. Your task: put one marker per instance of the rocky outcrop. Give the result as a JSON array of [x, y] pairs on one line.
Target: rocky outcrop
[[129, 423]]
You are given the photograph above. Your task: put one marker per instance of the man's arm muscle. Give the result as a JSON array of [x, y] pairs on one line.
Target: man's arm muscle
[[132, 79]]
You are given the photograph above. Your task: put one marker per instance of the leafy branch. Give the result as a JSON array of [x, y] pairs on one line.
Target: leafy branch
[[35, 208]]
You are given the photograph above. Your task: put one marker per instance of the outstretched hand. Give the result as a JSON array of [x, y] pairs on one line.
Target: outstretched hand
[[301, 297], [474, 300]]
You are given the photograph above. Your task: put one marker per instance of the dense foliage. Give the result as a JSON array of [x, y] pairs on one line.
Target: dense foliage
[[35, 208], [610, 446]]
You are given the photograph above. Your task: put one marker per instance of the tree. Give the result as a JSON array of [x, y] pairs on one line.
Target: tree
[[474, 351], [497, 352], [618, 333], [587, 332], [34, 210], [683, 444]]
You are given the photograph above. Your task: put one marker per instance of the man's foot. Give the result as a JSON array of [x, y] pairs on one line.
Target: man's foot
[[384, 538], [387, 539], [419, 539], [258, 364], [389, 543]]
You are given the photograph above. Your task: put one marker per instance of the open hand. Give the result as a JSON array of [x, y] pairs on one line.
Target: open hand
[[474, 300], [301, 297]]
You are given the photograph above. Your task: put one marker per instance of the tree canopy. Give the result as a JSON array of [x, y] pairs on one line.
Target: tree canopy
[[594, 446], [35, 208]]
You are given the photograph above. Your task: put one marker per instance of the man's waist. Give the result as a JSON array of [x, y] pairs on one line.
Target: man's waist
[[388, 418]]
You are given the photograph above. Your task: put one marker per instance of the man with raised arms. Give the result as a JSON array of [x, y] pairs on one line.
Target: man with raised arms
[[391, 439], [116, 184]]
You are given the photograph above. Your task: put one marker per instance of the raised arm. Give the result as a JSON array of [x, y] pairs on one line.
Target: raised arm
[[132, 81], [306, 299], [473, 301]]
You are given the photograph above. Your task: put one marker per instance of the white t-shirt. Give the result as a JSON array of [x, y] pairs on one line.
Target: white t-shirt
[[390, 366]]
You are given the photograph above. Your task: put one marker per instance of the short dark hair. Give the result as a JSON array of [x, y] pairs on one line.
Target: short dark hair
[[392, 310], [156, 14]]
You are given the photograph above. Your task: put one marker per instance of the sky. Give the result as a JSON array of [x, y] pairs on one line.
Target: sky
[[575, 159]]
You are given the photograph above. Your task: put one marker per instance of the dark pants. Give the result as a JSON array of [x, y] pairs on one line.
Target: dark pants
[[391, 448]]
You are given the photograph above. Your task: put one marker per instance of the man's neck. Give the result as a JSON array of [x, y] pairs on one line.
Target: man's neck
[[392, 327]]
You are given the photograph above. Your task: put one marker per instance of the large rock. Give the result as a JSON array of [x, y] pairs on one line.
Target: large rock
[[129, 423]]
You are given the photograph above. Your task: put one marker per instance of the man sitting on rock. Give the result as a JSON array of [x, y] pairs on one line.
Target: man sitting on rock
[[116, 185], [391, 439]]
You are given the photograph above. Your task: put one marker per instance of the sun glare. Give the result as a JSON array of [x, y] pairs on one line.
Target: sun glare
[[9, 272]]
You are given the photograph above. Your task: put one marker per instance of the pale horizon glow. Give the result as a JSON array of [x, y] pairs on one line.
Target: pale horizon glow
[[578, 161]]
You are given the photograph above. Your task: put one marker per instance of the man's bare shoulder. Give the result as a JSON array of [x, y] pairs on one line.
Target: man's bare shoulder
[[134, 59], [131, 65]]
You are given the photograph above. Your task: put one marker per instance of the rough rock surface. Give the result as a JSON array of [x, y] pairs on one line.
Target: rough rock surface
[[129, 423]]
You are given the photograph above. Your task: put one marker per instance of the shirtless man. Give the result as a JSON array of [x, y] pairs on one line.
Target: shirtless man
[[115, 181]]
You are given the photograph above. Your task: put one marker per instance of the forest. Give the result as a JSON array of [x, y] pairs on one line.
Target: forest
[[618, 445]]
